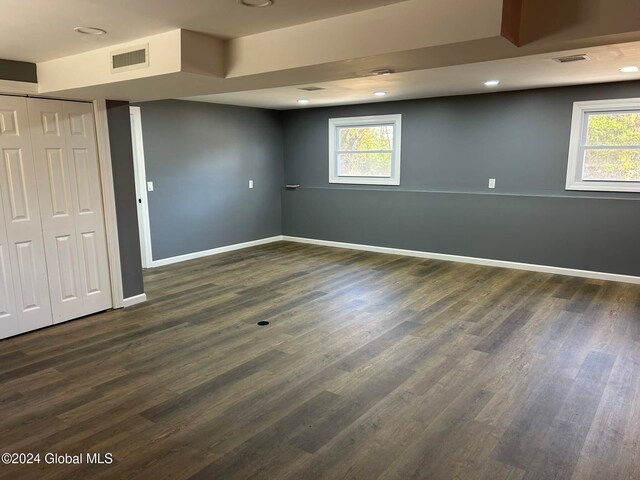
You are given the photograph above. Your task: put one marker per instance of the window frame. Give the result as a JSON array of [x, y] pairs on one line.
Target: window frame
[[365, 121], [581, 111]]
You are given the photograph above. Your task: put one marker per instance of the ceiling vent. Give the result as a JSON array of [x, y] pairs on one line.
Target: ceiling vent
[[130, 59], [310, 89], [581, 57]]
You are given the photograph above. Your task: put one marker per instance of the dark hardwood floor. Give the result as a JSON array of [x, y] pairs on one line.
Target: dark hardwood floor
[[373, 367]]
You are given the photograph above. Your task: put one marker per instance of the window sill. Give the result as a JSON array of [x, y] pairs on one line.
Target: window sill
[[604, 187], [365, 181]]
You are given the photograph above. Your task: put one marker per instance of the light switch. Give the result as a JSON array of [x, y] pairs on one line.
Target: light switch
[[250, 183], [150, 186], [492, 183]]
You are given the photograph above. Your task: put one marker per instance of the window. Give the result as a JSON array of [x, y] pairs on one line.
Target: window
[[604, 151], [365, 150]]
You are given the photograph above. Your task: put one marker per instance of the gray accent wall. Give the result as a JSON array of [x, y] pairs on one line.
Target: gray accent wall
[[450, 148], [18, 71], [200, 157], [125, 195]]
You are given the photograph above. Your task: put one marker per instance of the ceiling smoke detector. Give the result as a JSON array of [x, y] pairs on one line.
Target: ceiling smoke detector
[[90, 31], [311, 89], [581, 57], [256, 3], [382, 71]]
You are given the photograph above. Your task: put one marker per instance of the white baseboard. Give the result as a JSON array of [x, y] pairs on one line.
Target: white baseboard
[[615, 277], [214, 251], [131, 301]]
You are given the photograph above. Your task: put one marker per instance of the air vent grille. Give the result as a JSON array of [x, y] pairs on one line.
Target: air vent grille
[[572, 58], [311, 89], [137, 57]]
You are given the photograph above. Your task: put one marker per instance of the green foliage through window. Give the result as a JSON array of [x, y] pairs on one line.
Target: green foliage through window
[[365, 151], [621, 132]]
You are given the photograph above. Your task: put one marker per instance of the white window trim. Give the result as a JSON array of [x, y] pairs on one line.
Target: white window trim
[[334, 123], [574, 165]]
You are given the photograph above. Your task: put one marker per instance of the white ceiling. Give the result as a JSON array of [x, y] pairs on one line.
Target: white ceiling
[[39, 30], [514, 73], [440, 48]]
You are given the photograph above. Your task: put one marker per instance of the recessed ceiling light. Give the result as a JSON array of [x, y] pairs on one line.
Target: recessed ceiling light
[[90, 30], [380, 93], [492, 83], [630, 69], [382, 71], [256, 3], [303, 101]]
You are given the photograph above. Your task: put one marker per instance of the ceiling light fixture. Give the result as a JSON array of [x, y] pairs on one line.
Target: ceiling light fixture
[[630, 69], [380, 93], [382, 71], [303, 101], [492, 83], [90, 31], [256, 3]]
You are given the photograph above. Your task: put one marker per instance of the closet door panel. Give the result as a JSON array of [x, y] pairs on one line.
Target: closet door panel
[[89, 213], [23, 253], [9, 324], [55, 176]]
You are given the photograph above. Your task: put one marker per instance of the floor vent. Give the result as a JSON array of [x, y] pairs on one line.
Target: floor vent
[[130, 59], [581, 57]]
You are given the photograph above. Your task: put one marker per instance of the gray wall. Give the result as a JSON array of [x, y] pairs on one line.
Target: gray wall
[[200, 158], [450, 148], [125, 194], [18, 71]]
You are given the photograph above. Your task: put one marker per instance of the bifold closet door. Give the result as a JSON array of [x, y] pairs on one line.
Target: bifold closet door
[[69, 190], [9, 323], [24, 292]]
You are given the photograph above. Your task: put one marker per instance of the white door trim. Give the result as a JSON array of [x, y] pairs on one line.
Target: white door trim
[[109, 201], [141, 187]]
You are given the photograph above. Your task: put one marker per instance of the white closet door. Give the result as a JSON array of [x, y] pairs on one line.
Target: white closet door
[[55, 179], [89, 214], [71, 204], [26, 264], [9, 323]]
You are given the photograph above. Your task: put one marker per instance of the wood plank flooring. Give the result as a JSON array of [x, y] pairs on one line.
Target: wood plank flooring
[[373, 367]]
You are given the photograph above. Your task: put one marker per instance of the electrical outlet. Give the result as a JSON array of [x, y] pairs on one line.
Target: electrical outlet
[[250, 183], [492, 183], [149, 186]]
